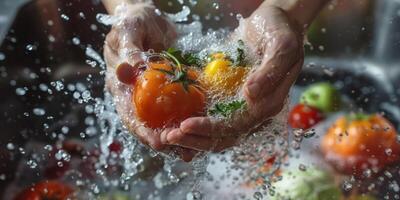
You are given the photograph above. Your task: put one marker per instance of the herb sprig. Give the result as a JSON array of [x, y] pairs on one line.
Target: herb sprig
[[178, 73], [228, 108], [189, 59]]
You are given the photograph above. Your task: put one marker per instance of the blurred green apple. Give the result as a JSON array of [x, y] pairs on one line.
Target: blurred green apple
[[323, 96]]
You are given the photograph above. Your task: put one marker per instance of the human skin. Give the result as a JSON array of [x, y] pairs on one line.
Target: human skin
[[274, 31]]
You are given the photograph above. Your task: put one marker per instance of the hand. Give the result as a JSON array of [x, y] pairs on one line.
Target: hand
[[273, 36], [138, 28]]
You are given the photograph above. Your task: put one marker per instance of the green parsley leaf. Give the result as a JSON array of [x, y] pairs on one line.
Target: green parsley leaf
[[189, 59], [227, 109]]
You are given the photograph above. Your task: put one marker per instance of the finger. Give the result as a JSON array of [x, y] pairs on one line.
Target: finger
[[176, 137], [205, 127]]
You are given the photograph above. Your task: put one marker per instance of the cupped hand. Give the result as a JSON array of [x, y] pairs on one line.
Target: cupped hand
[[273, 36], [137, 28]]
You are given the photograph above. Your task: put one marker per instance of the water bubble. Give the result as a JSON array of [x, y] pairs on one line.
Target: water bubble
[[193, 2], [48, 147], [180, 16], [10, 146], [258, 196], [309, 133], [76, 41], [43, 87], [367, 173], [91, 53], [388, 151], [106, 19], [20, 91], [39, 111], [50, 22], [65, 129], [32, 164], [51, 38], [93, 27], [30, 47], [82, 15], [2, 56], [64, 17], [347, 186], [302, 167], [215, 5], [3, 177]]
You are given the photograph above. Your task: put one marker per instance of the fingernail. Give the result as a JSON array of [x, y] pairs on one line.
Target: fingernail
[[185, 126], [253, 90]]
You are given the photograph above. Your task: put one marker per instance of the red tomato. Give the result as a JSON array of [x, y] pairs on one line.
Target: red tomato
[[304, 116], [162, 101], [115, 147], [127, 73], [46, 190]]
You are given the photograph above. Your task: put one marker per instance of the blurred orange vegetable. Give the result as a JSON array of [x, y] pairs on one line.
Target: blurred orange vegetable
[[358, 142]]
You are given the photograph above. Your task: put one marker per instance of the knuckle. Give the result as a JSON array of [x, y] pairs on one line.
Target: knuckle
[[287, 41]]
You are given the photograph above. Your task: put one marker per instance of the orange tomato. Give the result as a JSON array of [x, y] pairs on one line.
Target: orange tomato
[[355, 144], [160, 101], [46, 190]]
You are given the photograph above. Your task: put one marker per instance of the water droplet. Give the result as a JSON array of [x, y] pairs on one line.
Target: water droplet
[[2, 56], [347, 186], [309, 133], [302, 167], [106, 19], [10, 146], [258, 195], [65, 129], [181, 16], [64, 17], [48, 147], [388, 151], [215, 5], [76, 41], [51, 38], [30, 47], [20, 91], [39, 111], [82, 15], [32, 164]]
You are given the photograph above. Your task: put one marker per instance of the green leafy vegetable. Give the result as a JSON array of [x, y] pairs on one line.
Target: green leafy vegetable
[[189, 59], [226, 109], [240, 57]]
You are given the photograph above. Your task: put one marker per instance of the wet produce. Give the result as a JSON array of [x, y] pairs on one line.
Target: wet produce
[[360, 142], [304, 117], [46, 190], [323, 96], [167, 93], [308, 184], [222, 76]]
